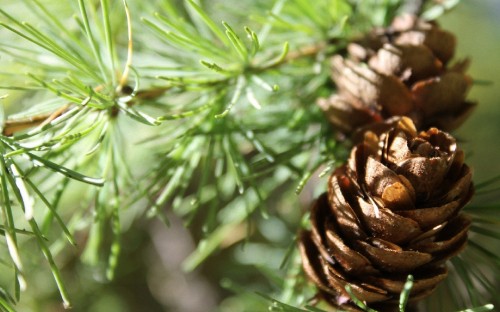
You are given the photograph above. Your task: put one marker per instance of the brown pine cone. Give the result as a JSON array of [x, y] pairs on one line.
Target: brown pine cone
[[391, 211], [400, 71]]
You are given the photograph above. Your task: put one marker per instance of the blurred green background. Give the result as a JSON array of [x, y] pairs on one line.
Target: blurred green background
[[476, 23], [149, 276]]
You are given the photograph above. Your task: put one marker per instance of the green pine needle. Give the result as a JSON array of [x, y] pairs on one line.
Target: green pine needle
[[405, 293]]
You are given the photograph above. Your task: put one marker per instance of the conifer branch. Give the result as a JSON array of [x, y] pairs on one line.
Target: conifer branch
[[212, 121]]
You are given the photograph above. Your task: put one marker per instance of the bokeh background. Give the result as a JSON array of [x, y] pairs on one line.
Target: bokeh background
[[150, 276], [476, 23]]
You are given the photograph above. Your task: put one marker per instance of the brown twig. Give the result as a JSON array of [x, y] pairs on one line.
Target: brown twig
[[13, 126], [17, 125], [307, 51], [311, 50]]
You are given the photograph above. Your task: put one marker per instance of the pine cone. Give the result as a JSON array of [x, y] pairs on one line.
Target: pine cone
[[400, 71], [391, 211]]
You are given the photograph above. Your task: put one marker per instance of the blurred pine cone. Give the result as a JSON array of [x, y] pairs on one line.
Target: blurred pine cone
[[391, 211], [401, 70]]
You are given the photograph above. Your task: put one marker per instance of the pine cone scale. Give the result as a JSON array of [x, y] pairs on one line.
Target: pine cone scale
[[450, 237], [347, 219], [430, 217], [338, 108], [386, 224], [441, 95], [368, 87], [409, 63], [394, 260], [398, 196], [369, 292], [462, 186], [312, 264], [349, 259], [422, 281], [425, 174], [395, 190]]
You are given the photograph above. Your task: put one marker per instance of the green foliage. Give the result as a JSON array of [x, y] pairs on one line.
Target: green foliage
[[119, 110]]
